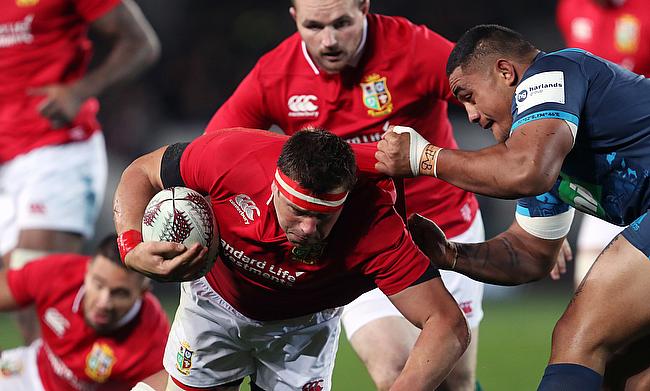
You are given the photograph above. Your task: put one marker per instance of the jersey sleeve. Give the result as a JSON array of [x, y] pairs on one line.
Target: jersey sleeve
[[396, 263], [544, 216], [91, 10], [245, 108], [554, 87], [23, 282]]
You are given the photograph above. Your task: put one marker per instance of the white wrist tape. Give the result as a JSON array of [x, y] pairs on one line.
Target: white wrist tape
[[416, 148]]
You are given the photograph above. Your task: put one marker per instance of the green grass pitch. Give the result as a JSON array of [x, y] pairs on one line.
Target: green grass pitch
[[513, 350]]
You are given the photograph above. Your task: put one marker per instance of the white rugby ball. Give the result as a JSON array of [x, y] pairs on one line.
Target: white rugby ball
[[181, 215]]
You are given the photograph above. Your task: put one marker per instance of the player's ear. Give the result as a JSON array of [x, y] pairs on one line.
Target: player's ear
[[146, 285], [364, 6], [507, 72], [292, 12]]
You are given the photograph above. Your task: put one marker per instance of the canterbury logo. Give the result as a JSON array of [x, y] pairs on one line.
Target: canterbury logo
[[302, 106], [247, 206]]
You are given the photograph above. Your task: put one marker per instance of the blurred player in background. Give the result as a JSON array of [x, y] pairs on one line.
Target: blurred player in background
[[301, 235], [619, 31], [101, 328], [572, 131], [355, 73], [52, 155]]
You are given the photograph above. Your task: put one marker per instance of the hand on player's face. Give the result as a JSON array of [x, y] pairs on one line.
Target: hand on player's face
[[487, 102], [331, 30], [60, 104], [431, 241], [167, 261]]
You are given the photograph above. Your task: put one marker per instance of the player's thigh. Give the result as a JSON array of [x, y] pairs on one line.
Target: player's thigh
[[298, 353], [384, 345], [206, 346], [611, 306]]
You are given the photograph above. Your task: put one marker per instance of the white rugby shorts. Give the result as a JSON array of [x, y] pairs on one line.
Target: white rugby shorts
[[18, 369], [57, 187], [468, 293], [211, 343]]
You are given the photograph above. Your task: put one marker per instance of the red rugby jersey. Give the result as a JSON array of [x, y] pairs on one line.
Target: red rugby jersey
[[257, 272], [43, 42], [73, 356], [400, 80], [619, 34]]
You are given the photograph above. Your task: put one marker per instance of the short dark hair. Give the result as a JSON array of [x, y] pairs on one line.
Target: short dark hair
[[485, 40], [107, 248], [319, 161]]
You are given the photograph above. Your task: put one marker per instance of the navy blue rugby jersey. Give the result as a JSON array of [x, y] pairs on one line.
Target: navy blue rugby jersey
[[608, 110]]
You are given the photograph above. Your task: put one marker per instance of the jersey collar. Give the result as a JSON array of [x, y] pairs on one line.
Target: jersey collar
[[355, 58]]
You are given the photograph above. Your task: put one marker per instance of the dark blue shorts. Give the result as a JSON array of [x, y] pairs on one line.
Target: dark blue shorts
[[638, 233]]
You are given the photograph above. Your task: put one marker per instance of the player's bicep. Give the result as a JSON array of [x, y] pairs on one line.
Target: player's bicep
[[547, 141]]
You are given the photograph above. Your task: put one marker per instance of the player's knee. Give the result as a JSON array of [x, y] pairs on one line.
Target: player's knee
[[460, 379], [384, 380]]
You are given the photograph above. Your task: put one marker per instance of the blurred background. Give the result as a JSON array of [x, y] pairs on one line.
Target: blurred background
[[208, 46]]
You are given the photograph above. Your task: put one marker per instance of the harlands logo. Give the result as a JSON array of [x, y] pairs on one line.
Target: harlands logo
[[246, 207], [258, 267]]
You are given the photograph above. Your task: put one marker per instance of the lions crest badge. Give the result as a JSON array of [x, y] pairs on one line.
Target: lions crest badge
[[99, 362], [376, 96], [184, 358]]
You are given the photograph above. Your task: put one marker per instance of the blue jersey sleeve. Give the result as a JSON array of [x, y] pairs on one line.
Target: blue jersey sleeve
[[554, 86], [545, 216]]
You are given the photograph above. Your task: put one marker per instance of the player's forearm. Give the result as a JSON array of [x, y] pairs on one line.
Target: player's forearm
[[438, 348], [504, 260], [496, 171]]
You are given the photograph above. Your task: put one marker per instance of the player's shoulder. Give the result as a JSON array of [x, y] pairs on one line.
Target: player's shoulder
[[565, 60], [153, 315], [395, 37], [54, 265], [238, 140]]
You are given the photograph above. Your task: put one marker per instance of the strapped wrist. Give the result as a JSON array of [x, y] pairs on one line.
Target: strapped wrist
[[127, 241]]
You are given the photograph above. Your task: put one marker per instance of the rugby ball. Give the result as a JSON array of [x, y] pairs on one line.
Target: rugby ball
[[181, 215]]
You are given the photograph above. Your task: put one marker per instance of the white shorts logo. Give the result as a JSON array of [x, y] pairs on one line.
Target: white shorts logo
[[302, 106], [545, 87]]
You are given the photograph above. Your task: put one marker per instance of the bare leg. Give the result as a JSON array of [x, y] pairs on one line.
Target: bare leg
[[609, 309], [385, 343]]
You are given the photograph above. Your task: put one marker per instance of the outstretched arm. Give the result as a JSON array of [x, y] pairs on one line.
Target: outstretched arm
[[443, 339], [527, 163], [511, 258], [134, 46], [164, 261]]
